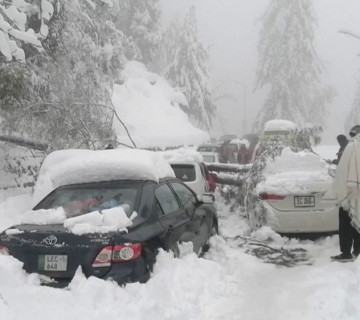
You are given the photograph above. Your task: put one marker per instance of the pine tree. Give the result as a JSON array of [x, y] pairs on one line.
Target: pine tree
[[289, 66], [140, 21], [186, 67]]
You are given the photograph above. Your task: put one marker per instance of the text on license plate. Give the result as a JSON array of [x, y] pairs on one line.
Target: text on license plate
[[52, 262], [304, 201]]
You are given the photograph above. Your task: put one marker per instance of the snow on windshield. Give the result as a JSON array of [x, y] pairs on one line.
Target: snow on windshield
[[66, 167], [107, 220], [295, 172]]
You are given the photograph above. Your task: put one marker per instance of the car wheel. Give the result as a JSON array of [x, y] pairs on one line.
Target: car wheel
[[214, 231], [175, 248]]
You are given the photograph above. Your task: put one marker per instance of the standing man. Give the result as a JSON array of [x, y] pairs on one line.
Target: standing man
[[343, 141], [347, 188]]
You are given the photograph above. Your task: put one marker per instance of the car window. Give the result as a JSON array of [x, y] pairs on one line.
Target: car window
[[81, 199], [184, 172], [186, 196], [166, 199]]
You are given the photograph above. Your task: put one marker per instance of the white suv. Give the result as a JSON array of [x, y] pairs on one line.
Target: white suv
[[194, 174]]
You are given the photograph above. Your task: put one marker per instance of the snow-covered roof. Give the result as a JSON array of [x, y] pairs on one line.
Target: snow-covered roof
[[279, 125], [72, 166], [182, 155], [295, 172]]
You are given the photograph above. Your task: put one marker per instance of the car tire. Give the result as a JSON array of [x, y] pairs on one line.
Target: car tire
[[175, 249], [214, 231]]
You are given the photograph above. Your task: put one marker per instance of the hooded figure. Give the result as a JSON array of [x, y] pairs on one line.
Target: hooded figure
[[347, 189], [343, 141]]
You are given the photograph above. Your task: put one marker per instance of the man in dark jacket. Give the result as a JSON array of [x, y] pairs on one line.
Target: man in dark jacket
[[343, 141], [349, 237]]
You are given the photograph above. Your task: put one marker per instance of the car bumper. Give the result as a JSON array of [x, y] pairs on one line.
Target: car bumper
[[122, 273], [325, 221]]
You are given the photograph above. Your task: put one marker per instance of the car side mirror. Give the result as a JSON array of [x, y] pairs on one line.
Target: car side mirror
[[206, 198]]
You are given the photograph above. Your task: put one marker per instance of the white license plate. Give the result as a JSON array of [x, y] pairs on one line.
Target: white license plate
[[304, 201], [52, 262]]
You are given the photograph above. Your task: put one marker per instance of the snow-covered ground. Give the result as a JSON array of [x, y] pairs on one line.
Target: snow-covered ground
[[230, 282]]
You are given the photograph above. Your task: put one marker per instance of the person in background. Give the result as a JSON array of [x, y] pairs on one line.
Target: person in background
[[347, 189], [343, 141]]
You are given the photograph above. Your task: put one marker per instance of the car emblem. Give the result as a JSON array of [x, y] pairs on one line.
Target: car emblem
[[50, 240]]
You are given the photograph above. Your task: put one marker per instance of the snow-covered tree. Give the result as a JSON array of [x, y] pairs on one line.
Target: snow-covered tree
[[185, 60], [140, 21], [71, 80], [21, 24], [289, 66]]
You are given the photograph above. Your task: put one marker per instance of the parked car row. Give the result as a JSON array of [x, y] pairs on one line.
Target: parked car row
[[109, 212]]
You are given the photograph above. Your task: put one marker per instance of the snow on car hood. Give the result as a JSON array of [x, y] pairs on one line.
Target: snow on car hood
[[107, 220], [295, 172], [65, 167]]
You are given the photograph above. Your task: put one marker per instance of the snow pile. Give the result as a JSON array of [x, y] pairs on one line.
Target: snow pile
[[150, 109], [12, 208], [227, 284], [43, 216], [93, 222], [182, 155], [66, 167], [280, 125], [295, 172]]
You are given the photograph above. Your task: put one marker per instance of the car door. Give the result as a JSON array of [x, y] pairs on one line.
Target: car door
[[200, 214], [173, 218]]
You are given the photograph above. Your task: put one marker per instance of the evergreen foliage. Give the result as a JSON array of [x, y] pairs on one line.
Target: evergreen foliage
[[74, 52], [185, 62], [289, 66]]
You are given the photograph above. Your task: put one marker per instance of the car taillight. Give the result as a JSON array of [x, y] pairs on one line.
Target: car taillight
[[116, 254], [266, 196], [4, 250]]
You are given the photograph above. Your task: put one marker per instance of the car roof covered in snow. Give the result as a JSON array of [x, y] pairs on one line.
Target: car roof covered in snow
[[182, 155], [280, 125], [65, 167]]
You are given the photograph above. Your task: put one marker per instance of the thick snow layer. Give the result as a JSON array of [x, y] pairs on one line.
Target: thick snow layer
[[43, 216], [182, 155], [280, 125], [227, 283], [93, 222], [108, 220], [66, 167], [150, 109], [295, 172]]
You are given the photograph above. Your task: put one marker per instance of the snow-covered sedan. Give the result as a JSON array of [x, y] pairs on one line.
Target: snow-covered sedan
[[106, 214], [292, 190]]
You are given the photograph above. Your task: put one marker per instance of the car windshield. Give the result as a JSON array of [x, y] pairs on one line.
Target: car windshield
[[184, 172], [84, 198]]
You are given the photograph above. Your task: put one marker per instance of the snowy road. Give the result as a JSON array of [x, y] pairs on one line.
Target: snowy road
[[227, 284]]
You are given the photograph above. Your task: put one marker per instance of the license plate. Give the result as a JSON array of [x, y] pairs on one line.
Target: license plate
[[52, 262], [304, 201]]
